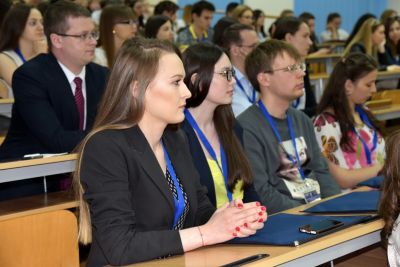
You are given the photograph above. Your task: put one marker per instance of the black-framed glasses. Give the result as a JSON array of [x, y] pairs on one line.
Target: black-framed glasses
[[83, 37], [228, 74], [128, 21], [291, 68], [249, 46]]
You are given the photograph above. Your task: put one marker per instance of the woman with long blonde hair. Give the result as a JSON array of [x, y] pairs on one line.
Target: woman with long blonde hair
[[140, 195], [370, 39]]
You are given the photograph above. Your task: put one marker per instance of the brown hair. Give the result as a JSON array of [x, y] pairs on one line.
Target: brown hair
[[200, 59], [263, 56], [389, 207], [353, 67], [394, 48], [56, 17], [110, 16], [13, 26], [136, 61]]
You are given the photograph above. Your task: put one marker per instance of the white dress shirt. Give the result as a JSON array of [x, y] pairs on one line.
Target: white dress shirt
[[70, 77]]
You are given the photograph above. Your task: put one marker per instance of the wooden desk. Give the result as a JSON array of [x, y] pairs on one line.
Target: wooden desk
[[31, 168], [319, 81], [37, 204], [312, 253], [328, 60], [392, 112], [6, 105]]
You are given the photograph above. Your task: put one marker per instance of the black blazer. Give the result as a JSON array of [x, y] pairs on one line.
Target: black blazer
[[200, 161], [44, 117], [383, 58], [131, 205]]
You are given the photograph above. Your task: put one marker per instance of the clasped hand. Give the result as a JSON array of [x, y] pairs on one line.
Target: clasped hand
[[235, 219]]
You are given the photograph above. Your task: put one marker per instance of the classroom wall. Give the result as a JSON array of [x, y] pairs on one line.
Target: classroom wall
[[349, 10]]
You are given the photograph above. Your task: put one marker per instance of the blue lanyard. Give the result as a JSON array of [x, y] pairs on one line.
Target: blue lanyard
[[364, 118], [210, 150], [251, 99], [296, 103], [20, 54], [180, 201], [278, 136]]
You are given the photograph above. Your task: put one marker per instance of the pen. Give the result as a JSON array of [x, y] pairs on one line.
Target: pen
[[246, 260], [33, 156]]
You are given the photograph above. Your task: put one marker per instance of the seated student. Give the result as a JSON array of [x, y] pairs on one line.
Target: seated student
[[140, 193], [346, 132], [390, 200], [159, 27], [199, 30], [392, 45], [333, 31], [117, 24], [279, 140], [258, 24], [370, 39], [21, 39], [238, 41], [243, 14], [358, 25], [56, 94], [297, 33], [209, 126]]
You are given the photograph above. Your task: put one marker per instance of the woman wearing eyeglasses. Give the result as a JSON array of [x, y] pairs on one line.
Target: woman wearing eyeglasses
[[213, 133], [117, 24], [243, 14], [347, 133]]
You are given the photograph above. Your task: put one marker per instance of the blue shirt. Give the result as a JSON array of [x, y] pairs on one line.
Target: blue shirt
[[240, 101]]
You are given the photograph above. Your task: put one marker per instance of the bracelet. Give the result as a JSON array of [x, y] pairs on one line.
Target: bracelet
[[201, 234]]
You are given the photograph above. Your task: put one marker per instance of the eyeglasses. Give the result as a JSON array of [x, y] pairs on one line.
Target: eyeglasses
[[228, 74], [292, 68], [83, 37], [249, 46], [128, 21]]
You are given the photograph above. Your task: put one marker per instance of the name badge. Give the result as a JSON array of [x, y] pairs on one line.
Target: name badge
[[309, 189]]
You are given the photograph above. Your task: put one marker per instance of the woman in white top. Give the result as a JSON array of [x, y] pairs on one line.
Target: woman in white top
[[21, 38], [390, 200], [117, 24]]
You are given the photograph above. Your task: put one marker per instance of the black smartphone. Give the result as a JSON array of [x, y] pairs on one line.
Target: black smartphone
[[246, 260], [320, 226]]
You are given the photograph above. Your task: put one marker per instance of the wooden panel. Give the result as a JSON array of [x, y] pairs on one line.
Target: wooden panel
[[44, 239]]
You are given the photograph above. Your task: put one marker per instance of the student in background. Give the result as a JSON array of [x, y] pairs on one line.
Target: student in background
[[392, 45], [297, 33], [117, 24], [390, 200], [309, 19], [199, 30], [358, 25], [370, 39], [21, 39], [347, 133], [238, 41], [159, 27], [388, 13], [212, 131], [279, 140], [169, 9], [140, 195], [243, 14], [229, 9], [333, 31], [258, 23]]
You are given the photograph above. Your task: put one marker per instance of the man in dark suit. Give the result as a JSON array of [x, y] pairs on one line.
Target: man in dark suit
[[56, 94]]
